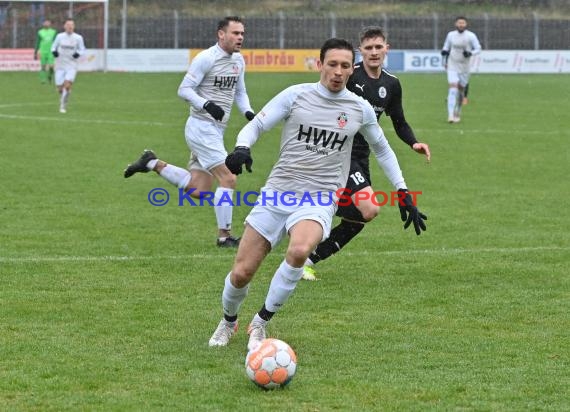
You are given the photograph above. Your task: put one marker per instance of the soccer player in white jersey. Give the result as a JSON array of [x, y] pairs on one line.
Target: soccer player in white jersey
[[320, 121], [214, 80], [460, 44], [383, 91], [67, 47]]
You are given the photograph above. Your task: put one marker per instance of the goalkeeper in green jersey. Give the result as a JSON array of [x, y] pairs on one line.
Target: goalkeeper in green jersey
[[45, 38]]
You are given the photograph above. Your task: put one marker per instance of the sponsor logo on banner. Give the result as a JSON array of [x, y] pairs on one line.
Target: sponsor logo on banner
[[422, 61], [18, 60], [524, 61], [494, 61], [23, 60], [277, 60]]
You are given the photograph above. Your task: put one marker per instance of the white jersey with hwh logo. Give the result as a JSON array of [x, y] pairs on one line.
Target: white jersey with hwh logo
[[67, 44], [456, 43], [317, 136], [216, 76]]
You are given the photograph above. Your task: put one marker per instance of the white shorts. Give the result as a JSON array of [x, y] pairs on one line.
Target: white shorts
[[62, 75], [273, 221], [206, 141], [461, 78], [194, 164]]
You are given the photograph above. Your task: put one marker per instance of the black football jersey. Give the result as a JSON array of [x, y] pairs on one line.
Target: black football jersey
[[385, 96]]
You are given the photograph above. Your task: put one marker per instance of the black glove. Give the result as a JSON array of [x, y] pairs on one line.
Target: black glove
[[467, 54], [444, 53], [240, 156], [55, 53], [249, 115], [215, 111], [75, 55], [409, 213]]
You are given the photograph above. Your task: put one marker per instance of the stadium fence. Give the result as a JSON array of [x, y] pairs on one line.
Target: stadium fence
[[174, 29]]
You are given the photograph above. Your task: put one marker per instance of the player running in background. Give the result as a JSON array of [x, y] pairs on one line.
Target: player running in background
[[384, 92], [460, 44], [319, 123], [213, 82], [44, 40], [67, 47]]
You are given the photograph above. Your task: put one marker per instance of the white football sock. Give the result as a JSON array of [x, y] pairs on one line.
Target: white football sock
[[63, 98], [232, 297], [282, 286], [309, 262], [176, 175], [259, 320], [451, 100], [224, 211], [459, 102], [151, 164]]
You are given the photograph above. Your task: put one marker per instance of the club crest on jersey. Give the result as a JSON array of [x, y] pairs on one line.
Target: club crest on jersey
[[382, 92], [342, 120], [235, 68]]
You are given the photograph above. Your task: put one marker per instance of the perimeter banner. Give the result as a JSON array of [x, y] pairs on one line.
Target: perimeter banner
[[18, 60], [277, 60], [280, 61], [494, 61], [23, 60]]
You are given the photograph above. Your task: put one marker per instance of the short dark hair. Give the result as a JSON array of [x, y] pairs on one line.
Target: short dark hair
[[370, 32], [224, 23], [336, 43], [460, 18]]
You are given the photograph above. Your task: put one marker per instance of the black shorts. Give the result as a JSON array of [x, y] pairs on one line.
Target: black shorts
[[358, 179], [359, 175]]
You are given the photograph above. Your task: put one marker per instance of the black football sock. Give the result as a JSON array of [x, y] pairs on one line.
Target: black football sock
[[230, 319], [265, 314], [339, 237]]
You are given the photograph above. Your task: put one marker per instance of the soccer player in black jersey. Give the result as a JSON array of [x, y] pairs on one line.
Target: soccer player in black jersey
[[384, 92]]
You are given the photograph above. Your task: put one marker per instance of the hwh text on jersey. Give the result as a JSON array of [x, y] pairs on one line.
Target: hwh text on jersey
[[322, 136], [225, 82]]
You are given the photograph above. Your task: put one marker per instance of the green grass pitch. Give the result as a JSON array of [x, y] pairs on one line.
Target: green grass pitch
[[107, 303]]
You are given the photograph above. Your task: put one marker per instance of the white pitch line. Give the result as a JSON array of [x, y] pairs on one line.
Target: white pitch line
[[454, 251], [51, 103], [2, 106], [64, 119], [458, 129], [451, 129]]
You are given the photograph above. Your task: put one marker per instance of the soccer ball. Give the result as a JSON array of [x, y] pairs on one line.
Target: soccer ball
[[271, 365]]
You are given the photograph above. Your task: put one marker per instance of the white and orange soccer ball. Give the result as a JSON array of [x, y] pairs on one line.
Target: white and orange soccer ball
[[272, 364]]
